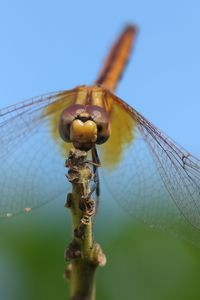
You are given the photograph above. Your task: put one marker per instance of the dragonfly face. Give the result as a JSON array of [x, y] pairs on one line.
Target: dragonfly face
[[86, 124]]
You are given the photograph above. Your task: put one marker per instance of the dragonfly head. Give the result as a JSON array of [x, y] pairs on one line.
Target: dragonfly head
[[84, 126]]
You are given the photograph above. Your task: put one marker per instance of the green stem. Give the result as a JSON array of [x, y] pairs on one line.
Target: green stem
[[84, 255]]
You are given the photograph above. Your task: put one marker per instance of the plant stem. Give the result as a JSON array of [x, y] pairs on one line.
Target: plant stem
[[84, 255]]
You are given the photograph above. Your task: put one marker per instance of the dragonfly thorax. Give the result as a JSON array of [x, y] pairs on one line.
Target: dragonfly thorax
[[84, 126]]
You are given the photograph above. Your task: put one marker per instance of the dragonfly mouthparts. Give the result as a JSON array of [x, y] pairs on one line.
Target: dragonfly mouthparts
[[83, 134]]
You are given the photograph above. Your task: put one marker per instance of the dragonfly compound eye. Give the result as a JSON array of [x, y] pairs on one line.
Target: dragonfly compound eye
[[84, 126], [102, 119], [66, 119], [77, 127]]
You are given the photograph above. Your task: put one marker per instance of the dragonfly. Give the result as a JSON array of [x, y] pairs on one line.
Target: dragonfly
[[152, 177]]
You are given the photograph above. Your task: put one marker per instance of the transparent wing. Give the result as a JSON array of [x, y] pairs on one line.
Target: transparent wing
[[32, 164], [151, 176]]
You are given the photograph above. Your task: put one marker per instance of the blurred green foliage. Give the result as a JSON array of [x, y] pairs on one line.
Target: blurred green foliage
[[142, 264]]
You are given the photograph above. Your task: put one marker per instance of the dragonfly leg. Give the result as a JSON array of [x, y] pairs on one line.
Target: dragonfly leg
[[97, 164]]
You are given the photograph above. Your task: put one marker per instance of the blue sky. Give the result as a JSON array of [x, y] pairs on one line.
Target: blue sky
[[53, 45]]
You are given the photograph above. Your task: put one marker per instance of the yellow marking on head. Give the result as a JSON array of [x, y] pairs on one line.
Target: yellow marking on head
[[83, 132]]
